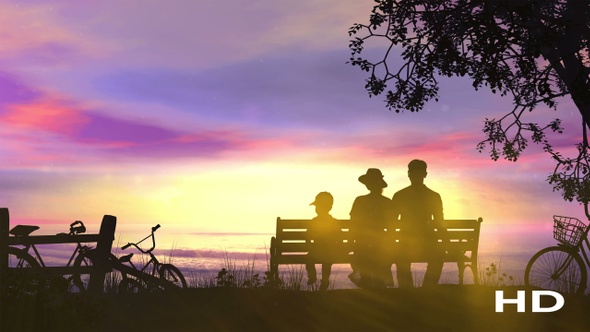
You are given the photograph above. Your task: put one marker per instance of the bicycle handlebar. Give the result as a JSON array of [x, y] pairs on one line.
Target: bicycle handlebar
[[155, 228], [77, 230]]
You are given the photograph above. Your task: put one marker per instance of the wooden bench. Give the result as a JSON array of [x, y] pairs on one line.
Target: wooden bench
[[290, 245]]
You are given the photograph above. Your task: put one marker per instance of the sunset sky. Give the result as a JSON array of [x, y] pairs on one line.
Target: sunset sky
[[223, 115]]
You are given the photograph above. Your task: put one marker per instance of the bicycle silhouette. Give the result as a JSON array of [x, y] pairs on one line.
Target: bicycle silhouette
[[83, 258], [152, 276], [562, 268]]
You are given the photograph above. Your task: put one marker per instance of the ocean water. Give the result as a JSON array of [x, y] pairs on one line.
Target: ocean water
[[508, 247]]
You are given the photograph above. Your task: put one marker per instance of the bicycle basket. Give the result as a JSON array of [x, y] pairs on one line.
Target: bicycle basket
[[568, 231]]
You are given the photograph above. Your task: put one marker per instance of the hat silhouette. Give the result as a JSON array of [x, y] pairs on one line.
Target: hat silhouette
[[373, 178]]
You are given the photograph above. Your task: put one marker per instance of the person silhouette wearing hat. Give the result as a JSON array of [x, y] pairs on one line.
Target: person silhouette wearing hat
[[369, 217], [323, 233], [420, 212]]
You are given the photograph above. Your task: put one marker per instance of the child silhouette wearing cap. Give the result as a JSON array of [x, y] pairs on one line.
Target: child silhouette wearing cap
[[323, 233]]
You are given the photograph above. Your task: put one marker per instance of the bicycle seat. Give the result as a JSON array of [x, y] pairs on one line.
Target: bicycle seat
[[23, 230], [126, 258]]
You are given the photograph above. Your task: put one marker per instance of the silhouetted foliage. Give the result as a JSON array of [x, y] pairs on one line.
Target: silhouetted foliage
[[242, 278], [532, 50]]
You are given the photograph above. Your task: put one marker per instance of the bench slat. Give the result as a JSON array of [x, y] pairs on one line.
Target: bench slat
[[304, 259], [303, 247], [463, 223], [286, 224], [298, 235], [460, 246], [468, 235], [303, 235], [292, 223]]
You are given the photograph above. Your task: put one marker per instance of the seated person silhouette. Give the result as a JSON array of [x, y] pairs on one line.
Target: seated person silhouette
[[369, 216], [324, 234], [420, 212]]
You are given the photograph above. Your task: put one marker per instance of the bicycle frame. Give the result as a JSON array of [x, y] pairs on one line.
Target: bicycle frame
[[580, 250], [153, 260], [150, 271], [153, 275], [153, 263], [73, 231], [37, 255]]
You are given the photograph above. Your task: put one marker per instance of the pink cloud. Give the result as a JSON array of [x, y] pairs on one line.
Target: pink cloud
[[49, 128], [45, 114], [445, 148]]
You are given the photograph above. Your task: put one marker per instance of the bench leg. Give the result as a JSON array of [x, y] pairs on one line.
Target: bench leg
[[274, 274], [473, 267], [475, 273], [274, 267]]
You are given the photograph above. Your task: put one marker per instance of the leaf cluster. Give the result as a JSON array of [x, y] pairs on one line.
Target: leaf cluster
[[572, 175], [533, 51], [498, 44]]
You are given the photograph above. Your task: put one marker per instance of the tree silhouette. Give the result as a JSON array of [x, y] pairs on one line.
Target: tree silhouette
[[535, 51]]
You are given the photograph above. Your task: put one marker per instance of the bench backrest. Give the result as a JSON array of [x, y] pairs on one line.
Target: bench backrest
[[290, 245]]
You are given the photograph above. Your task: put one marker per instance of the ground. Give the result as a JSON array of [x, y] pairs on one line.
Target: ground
[[442, 308]]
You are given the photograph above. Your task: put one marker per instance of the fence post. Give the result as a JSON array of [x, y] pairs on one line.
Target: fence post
[[4, 228], [103, 250]]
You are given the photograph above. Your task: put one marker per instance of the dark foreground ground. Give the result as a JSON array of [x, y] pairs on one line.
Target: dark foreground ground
[[444, 308]]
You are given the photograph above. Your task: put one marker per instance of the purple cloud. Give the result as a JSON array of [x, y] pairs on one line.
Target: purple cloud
[[13, 90], [107, 129], [274, 91]]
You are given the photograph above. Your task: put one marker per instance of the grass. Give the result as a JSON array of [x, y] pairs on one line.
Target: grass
[[493, 276], [247, 276], [294, 277], [239, 297], [291, 277], [444, 308]]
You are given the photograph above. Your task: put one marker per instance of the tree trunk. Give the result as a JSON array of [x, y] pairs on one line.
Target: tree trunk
[[566, 59]]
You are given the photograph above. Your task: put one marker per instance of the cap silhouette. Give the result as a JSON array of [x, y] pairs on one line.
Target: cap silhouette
[[323, 198]]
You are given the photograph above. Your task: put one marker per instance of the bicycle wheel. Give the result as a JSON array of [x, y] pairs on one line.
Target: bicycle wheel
[[88, 259], [557, 268], [173, 275], [19, 258], [27, 278]]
